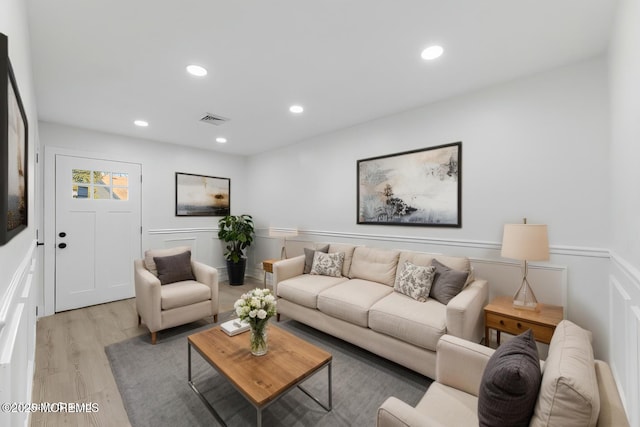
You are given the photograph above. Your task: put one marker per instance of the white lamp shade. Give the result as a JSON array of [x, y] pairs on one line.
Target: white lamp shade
[[525, 242]]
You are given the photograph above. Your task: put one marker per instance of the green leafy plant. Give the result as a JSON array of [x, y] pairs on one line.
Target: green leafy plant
[[237, 231]]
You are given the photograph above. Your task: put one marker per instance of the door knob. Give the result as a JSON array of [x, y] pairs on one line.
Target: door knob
[[62, 245], [62, 234]]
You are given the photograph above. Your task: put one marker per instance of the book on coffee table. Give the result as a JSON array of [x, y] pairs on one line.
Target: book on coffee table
[[234, 327]]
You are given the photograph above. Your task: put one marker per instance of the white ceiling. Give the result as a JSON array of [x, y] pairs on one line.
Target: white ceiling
[[101, 64]]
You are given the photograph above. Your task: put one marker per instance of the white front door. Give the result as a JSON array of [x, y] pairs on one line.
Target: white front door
[[98, 230]]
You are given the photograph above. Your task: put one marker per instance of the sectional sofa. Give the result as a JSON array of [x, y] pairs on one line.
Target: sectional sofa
[[365, 303]]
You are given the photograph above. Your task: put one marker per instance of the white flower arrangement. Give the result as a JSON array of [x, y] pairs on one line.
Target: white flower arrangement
[[256, 306]]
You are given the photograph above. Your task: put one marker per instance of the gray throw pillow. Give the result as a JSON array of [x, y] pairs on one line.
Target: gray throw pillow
[[510, 384], [308, 257], [447, 283], [175, 268]]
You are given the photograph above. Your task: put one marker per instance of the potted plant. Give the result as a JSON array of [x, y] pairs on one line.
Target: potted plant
[[237, 231]]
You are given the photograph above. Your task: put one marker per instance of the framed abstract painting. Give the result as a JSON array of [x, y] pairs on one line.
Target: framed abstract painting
[[420, 187], [13, 152], [201, 195]]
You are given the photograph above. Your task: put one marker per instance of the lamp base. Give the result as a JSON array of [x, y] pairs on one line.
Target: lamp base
[[524, 298]]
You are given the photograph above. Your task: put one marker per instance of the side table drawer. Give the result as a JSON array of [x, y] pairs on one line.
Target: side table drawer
[[513, 326]]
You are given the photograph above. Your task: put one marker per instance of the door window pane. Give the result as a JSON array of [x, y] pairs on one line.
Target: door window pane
[[81, 192], [81, 176], [102, 178], [100, 185]]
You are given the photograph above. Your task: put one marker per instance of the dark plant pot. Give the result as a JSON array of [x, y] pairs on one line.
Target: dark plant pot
[[235, 271]]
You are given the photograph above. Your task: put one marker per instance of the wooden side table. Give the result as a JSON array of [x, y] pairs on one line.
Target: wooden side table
[[503, 317], [267, 266]]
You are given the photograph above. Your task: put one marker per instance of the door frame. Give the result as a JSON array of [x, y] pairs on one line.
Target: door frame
[[50, 153]]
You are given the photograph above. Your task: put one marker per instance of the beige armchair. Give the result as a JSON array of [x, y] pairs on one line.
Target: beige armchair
[[574, 387], [161, 306]]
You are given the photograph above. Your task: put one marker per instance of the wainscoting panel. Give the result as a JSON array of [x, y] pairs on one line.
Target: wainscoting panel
[[17, 341]]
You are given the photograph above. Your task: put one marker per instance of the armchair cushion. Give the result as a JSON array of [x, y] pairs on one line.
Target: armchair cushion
[[569, 394], [174, 268], [181, 294], [510, 383], [150, 264]]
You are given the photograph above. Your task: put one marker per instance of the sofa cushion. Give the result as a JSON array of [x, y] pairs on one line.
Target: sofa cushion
[[348, 255], [308, 257], [510, 383], [447, 282], [376, 265], [180, 294], [419, 323], [327, 264], [569, 393], [414, 281], [351, 300], [150, 264], [304, 290], [425, 259], [174, 268]]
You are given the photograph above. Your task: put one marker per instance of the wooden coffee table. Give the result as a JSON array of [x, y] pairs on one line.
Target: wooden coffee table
[[260, 379]]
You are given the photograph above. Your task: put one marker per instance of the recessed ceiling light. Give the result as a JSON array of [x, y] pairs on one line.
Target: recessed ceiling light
[[197, 70], [221, 140], [141, 123], [432, 52], [296, 109]]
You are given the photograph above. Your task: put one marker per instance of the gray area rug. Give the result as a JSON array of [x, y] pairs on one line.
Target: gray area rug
[[153, 383]]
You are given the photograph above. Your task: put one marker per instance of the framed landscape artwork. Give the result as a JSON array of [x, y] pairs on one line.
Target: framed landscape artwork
[[200, 195], [420, 187], [13, 152]]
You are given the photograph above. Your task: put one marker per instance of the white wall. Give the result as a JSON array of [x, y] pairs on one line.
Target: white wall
[[624, 280], [19, 281], [536, 148], [160, 162]]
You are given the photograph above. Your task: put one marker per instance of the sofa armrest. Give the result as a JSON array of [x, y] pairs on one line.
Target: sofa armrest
[[460, 363], [209, 276], [286, 269], [147, 296], [612, 411], [465, 311], [395, 413]]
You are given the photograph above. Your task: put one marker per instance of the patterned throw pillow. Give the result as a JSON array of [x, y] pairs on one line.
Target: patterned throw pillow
[[328, 264], [415, 281], [308, 257]]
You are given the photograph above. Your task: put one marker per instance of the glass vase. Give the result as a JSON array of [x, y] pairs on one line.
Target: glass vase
[[258, 340]]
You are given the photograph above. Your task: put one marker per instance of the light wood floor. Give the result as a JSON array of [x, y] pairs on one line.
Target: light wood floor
[[71, 365]]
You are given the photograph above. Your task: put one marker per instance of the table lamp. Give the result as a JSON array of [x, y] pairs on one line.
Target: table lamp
[[525, 242], [283, 234]]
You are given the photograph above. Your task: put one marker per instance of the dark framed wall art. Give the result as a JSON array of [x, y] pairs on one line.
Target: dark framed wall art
[[201, 195], [13, 152], [420, 187]]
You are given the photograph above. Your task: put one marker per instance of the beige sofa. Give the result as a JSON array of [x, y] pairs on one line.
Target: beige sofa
[[362, 307], [576, 390]]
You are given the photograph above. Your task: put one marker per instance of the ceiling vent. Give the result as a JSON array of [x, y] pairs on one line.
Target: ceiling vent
[[213, 119]]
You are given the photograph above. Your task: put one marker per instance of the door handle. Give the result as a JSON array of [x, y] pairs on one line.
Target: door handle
[[62, 245]]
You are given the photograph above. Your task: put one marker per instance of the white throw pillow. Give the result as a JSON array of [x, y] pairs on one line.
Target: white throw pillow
[[415, 281], [327, 264]]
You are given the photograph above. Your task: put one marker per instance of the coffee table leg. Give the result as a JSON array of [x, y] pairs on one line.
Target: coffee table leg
[[259, 417], [329, 404], [203, 399]]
